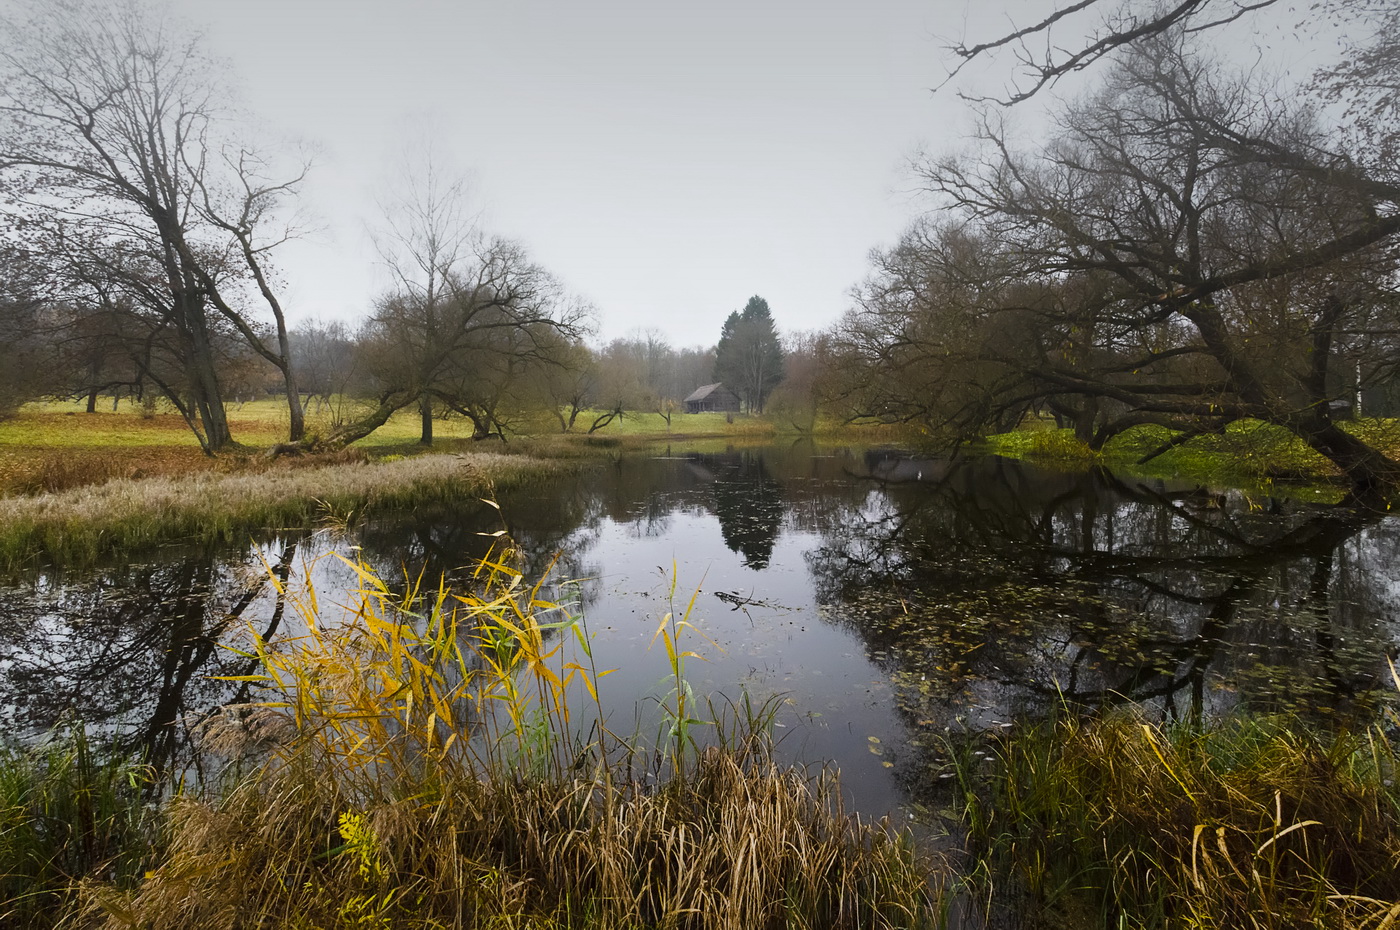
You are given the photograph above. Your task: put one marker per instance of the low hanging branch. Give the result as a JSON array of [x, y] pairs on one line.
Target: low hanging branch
[[349, 433]]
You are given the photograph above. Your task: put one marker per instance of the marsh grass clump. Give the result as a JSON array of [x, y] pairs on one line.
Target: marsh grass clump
[[736, 843], [69, 812], [447, 766], [1117, 822]]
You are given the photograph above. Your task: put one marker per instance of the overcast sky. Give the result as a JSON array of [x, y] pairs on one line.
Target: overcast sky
[[665, 160]]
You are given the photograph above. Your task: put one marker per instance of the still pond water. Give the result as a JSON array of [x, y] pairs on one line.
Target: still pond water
[[885, 599]]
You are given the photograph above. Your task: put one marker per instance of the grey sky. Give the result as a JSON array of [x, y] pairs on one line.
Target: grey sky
[[665, 160]]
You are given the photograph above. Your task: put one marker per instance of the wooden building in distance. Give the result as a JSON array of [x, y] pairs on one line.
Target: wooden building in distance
[[713, 398]]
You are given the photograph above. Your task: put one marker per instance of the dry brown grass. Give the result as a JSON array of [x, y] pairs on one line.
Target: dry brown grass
[[738, 844], [83, 525]]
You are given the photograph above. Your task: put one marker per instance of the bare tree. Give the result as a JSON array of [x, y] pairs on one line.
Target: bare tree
[[1148, 265], [570, 386], [245, 207], [807, 361], [491, 312], [115, 153], [467, 318], [428, 237], [326, 357], [25, 356]]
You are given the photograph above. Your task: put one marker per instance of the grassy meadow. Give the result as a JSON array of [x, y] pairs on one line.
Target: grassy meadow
[[76, 487], [53, 446]]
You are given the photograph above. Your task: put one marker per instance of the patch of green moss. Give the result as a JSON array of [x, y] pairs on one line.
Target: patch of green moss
[[1249, 454], [1048, 447]]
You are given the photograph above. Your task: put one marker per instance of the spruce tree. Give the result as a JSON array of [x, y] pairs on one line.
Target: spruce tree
[[749, 357]]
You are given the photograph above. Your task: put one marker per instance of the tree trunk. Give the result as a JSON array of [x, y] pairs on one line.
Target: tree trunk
[[353, 432], [425, 412], [350, 432], [604, 419], [92, 401], [1369, 471], [296, 412], [204, 378], [211, 412]]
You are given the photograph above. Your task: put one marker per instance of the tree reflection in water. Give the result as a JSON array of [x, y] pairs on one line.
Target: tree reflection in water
[[992, 589], [133, 653], [748, 502]]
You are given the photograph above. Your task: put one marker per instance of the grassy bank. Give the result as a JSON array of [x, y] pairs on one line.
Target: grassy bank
[[1249, 454], [429, 768], [1116, 822], [84, 525], [77, 487], [54, 446]]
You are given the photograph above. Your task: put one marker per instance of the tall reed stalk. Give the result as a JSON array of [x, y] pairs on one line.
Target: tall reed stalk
[[677, 737]]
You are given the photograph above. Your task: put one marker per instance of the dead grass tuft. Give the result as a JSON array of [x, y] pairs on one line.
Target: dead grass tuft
[[736, 844], [1251, 823]]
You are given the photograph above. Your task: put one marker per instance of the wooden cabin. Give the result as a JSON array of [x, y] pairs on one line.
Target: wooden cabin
[[713, 398]]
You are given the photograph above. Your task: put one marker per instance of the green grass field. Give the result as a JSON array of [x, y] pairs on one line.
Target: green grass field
[[52, 446]]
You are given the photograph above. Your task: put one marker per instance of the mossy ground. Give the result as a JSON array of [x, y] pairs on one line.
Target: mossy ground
[[1251, 455]]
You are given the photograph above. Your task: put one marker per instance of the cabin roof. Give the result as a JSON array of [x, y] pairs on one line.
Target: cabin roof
[[703, 392]]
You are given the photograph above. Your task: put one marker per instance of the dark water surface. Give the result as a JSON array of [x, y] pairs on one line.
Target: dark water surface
[[885, 600]]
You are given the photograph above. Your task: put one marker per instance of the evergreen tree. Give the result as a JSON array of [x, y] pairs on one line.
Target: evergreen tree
[[749, 357]]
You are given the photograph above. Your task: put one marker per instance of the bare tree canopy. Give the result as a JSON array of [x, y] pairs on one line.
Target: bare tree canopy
[[123, 173], [1041, 58], [1186, 250], [468, 318]]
